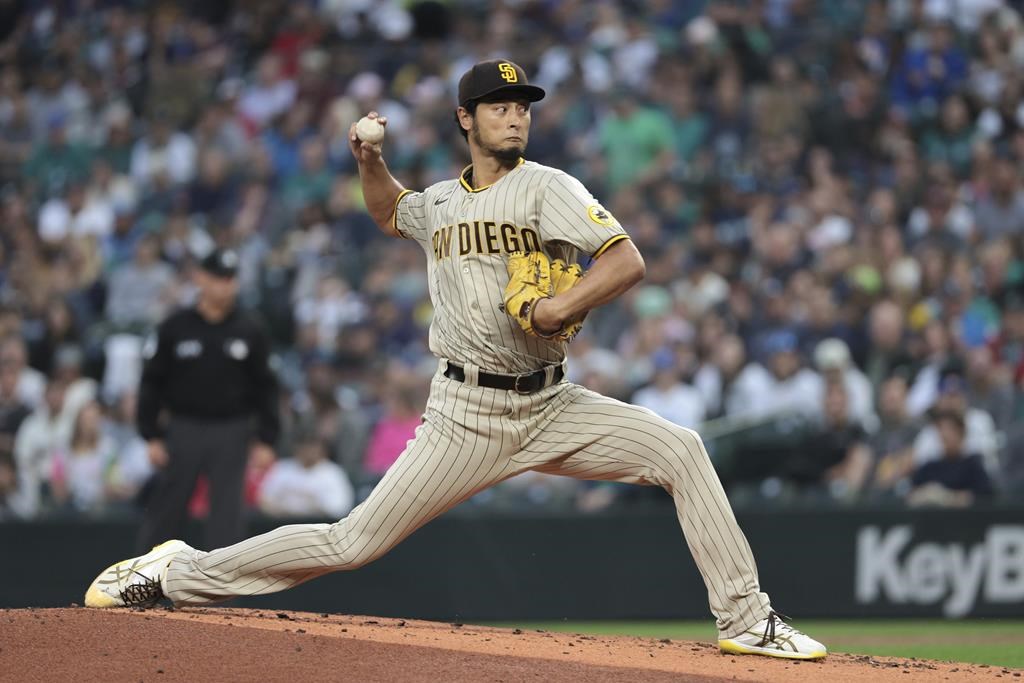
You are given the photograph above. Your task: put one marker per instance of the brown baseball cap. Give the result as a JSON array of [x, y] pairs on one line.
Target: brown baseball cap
[[493, 76]]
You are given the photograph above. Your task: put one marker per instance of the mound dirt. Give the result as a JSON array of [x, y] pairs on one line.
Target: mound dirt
[[226, 644]]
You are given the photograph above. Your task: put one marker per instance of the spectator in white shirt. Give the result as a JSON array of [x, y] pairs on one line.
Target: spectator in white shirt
[[980, 436], [716, 378], [164, 156], [832, 358], [40, 436], [701, 288], [140, 292], [270, 95], [78, 473], [79, 390], [334, 306], [132, 467], [76, 215], [669, 397], [784, 387], [306, 485]]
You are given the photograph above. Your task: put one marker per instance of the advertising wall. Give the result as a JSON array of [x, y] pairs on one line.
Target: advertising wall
[[814, 564]]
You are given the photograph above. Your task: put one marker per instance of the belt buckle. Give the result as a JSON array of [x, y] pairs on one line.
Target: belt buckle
[[515, 384]]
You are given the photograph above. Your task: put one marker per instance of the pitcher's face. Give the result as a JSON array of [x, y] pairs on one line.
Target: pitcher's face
[[501, 129]]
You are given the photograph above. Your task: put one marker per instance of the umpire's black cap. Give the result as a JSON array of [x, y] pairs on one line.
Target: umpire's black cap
[[221, 262], [493, 76]]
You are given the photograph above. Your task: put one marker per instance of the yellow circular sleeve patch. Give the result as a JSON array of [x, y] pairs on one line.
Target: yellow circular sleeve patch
[[601, 216]]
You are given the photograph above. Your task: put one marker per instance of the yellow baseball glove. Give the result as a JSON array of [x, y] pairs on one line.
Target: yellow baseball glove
[[532, 277], [565, 276]]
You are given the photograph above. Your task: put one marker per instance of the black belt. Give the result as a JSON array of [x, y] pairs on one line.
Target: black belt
[[522, 384]]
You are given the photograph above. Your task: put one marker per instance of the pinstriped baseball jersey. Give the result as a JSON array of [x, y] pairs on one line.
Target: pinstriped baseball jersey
[[467, 235]]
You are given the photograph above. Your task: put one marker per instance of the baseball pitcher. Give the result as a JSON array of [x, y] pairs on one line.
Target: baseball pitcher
[[502, 243]]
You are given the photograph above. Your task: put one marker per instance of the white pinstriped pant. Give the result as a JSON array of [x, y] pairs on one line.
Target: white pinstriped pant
[[471, 438]]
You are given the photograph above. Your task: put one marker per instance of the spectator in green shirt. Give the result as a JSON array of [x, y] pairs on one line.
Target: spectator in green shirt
[[689, 122], [637, 142], [117, 145], [312, 184], [954, 138], [56, 162]]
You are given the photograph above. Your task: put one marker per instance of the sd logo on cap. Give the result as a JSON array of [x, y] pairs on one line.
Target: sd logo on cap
[[496, 76]]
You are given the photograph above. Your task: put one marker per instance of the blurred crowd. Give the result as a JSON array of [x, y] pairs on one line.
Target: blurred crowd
[[828, 195]]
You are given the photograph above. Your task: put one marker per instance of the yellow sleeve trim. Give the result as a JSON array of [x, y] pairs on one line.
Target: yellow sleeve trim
[[394, 214], [610, 242]]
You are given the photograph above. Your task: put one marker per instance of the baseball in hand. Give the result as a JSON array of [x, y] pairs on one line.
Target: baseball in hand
[[369, 130]]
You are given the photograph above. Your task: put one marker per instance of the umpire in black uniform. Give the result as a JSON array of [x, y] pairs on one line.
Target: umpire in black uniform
[[207, 404]]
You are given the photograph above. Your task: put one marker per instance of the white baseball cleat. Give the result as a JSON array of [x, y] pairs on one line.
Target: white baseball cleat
[[134, 582], [773, 637]]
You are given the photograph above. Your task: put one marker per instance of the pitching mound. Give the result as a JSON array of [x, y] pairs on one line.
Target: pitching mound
[[248, 645]]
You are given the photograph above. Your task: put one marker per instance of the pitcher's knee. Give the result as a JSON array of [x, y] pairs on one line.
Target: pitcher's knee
[[350, 557], [690, 443], [687, 451], [351, 550], [355, 560], [693, 436]]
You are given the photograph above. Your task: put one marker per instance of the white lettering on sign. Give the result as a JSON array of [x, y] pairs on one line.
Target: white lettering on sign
[[891, 567], [1004, 581]]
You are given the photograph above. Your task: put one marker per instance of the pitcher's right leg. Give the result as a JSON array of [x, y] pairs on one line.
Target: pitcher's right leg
[[445, 464]]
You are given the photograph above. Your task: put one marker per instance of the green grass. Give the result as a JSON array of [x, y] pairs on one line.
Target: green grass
[[994, 642]]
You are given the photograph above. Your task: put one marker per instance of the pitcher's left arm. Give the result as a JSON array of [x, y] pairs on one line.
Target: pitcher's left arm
[[614, 272]]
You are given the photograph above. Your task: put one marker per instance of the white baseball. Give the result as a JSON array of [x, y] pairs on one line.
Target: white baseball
[[369, 130]]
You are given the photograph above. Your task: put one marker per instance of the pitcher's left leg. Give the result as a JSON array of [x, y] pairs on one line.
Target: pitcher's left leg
[[595, 437], [615, 441]]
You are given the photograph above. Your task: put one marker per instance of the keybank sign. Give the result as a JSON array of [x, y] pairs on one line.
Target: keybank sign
[[892, 566]]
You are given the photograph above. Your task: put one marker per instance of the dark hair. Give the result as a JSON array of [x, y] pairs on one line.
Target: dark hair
[[305, 432], [954, 418], [471, 108], [307, 435]]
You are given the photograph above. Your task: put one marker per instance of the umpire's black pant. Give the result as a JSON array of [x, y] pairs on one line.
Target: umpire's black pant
[[220, 450]]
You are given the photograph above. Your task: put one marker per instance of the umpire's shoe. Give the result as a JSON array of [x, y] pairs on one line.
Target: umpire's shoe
[[772, 637], [134, 582]]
